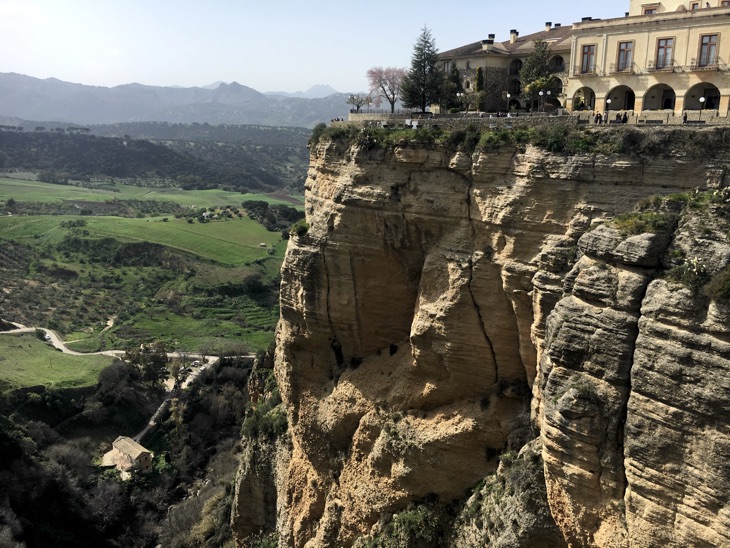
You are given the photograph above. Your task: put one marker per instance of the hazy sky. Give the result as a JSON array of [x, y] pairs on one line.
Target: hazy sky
[[274, 45]]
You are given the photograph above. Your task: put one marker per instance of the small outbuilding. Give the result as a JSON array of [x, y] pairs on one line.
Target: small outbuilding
[[129, 457]]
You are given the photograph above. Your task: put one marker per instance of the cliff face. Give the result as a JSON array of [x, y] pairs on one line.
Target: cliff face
[[439, 299]]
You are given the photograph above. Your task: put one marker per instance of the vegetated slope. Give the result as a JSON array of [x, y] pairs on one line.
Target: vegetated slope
[[446, 306], [51, 441], [210, 283], [271, 152], [205, 164]]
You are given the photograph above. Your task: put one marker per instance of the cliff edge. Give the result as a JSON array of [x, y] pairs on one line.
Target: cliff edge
[[479, 347]]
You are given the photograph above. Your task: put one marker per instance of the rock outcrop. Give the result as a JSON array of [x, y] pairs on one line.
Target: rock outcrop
[[438, 296]]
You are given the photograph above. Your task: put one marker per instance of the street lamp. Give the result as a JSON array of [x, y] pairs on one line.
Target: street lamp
[[548, 98], [540, 101], [608, 108], [702, 104], [508, 96]]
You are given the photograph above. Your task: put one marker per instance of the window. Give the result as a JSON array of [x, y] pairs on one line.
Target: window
[[664, 53], [694, 5], [708, 50], [649, 11], [725, 3], [557, 64], [588, 59], [447, 67], [625, 56], [468, 65]]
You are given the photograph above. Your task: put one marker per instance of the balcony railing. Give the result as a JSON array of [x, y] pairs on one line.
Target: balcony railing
[[652, 67], [578, 71], [617, 69], [695, 66]]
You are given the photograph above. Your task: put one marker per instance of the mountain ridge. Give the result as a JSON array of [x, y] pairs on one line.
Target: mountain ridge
[[31, 98]]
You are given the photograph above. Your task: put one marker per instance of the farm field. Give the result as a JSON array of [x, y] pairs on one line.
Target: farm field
[[37, 191], [231, 242], [26, 361]]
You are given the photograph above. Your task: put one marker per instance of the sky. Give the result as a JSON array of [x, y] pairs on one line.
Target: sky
[[268, 45]]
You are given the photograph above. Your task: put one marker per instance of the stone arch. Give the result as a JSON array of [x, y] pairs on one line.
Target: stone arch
[[514, 87], [703, 89], [659, 97], [515, 67], [584, 99], [622, 98]]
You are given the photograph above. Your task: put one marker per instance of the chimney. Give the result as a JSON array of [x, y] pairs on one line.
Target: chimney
[[488, 44], [557, 25], [513, 34], [548, 25], [490, 36], [626, 14], [584, 19]]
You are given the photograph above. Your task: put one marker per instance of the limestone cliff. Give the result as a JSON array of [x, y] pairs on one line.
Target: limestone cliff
[[438, 298]]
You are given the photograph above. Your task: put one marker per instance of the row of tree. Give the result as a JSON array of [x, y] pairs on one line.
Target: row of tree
[[425, 84]]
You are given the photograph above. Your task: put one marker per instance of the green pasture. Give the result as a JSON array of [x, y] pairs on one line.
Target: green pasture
[[27, 361], [36, 191], [215, 332], [230, 242]]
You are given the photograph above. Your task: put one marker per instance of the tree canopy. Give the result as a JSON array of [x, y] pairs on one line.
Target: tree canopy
[[423, 83], [535, 73], [385, 83]]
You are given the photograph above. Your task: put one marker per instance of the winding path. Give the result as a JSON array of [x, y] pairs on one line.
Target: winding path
[[56, 341]]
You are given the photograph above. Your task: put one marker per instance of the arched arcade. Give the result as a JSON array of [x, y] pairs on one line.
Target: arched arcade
[[659, 97]]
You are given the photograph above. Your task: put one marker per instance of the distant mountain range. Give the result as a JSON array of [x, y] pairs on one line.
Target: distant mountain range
[[315, 92], [52, 99]]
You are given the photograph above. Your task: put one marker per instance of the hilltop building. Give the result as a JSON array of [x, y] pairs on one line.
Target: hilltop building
[[665, 55]]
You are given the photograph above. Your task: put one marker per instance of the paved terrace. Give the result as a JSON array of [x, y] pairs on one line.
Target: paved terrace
[[653, 118]]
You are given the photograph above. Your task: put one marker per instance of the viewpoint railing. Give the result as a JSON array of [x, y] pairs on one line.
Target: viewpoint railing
[[647, 118]]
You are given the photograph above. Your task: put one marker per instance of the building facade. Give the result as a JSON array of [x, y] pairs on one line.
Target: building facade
[[501, 63], [665, 56]]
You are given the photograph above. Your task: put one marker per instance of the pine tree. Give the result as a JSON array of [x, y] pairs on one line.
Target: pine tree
[[423, 83], [535, 74]]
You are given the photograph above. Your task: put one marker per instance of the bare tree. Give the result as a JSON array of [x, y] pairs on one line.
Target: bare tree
[[357, 101], [385, 84]]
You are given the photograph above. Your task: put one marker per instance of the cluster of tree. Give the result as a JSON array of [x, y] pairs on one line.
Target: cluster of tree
[[273, 217], [203, 164], [150, 362], [262, 136], [54, 494], [117, 208]]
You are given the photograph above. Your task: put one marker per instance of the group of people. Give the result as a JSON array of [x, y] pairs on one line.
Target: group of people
[[500, 114], [337, 120], [603, 118]]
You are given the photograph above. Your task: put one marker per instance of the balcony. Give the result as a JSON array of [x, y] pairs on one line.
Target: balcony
[[618, 69], [669, 67], [578, 72], [713, 64]]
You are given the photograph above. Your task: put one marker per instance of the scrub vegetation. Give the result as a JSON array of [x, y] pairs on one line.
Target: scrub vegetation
[[559, 138]]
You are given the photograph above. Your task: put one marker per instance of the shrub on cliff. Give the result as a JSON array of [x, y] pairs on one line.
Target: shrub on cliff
[[719, 287], [641, 222]]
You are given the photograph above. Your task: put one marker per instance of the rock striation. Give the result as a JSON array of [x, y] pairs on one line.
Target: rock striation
[[440, 299]]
